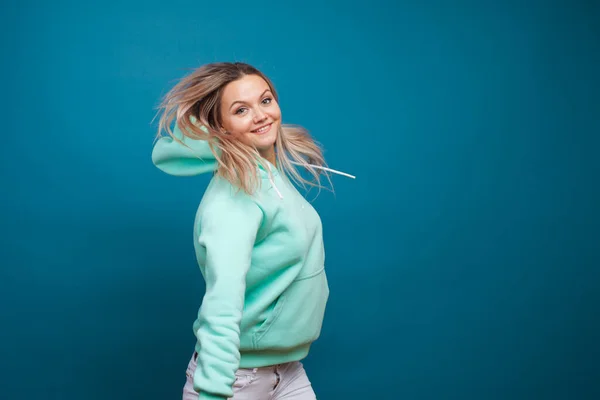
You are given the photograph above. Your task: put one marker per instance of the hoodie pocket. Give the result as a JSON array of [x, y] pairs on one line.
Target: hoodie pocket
[[297, 317]]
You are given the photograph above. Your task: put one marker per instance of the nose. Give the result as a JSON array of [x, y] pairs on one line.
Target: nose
[[259, 116]]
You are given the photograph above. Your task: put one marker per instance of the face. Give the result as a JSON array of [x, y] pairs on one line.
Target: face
[[250, 112]]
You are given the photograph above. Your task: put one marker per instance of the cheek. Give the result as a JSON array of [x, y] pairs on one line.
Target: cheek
[[275, 112], [237, 125]]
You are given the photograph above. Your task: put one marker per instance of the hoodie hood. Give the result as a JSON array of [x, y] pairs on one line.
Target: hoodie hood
[[194, 158]]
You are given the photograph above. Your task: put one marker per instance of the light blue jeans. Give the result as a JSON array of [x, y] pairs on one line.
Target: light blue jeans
[[277, 382]]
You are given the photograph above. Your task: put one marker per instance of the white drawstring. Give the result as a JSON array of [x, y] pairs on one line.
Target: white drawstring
[[312, 165], [327, 169], [273, 182], [333, 170]]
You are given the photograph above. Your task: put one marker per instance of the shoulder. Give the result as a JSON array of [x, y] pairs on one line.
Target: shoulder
[[224, 200]]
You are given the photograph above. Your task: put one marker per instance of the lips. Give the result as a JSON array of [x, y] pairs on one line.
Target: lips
[[263, 129]]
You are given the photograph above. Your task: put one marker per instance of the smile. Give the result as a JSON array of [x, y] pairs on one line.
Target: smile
[[262, 129]]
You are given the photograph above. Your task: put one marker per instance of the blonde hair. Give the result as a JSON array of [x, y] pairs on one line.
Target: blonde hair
[[195, 104]]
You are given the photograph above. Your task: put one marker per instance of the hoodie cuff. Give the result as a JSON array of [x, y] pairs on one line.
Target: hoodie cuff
[[210, 396]]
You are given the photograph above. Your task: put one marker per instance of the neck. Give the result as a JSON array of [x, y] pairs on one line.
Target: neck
[[269, 155]]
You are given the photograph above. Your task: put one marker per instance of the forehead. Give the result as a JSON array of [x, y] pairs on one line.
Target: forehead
[[248, 88]]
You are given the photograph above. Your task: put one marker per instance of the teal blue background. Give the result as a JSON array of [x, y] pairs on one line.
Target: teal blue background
[[463, 260]]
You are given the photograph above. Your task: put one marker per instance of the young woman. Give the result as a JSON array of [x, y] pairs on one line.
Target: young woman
[[258, 242]]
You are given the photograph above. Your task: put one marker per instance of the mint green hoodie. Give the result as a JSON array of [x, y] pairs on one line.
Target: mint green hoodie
[[262, 259]]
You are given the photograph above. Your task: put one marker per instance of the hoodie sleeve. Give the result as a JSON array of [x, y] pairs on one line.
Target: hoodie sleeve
[[228, 227], [174, 158]]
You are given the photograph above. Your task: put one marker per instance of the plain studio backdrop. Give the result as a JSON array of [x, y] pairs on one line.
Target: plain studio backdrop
[[463, 261]]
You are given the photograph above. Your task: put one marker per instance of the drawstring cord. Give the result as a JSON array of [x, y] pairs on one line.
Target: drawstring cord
[[329, 169], [311, 165]]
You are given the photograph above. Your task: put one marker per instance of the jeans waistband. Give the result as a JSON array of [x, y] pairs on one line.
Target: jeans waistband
[[267, 368]]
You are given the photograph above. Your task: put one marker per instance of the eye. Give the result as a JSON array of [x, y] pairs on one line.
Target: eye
[[267, 100], [240, 110]]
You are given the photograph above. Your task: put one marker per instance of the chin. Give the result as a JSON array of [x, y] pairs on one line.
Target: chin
[[265, 144]]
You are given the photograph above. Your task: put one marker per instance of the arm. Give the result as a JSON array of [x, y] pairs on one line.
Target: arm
[[228, 229]]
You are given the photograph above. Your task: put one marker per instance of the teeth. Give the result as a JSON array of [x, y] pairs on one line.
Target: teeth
[[264, 128]]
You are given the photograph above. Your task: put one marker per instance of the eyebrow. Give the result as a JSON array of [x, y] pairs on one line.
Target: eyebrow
[[240, 101]]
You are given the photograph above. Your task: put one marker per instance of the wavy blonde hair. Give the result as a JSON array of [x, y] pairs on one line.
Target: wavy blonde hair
[[195, 104]]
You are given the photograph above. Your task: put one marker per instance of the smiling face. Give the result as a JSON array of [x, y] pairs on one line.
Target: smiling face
[[250, 112]]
